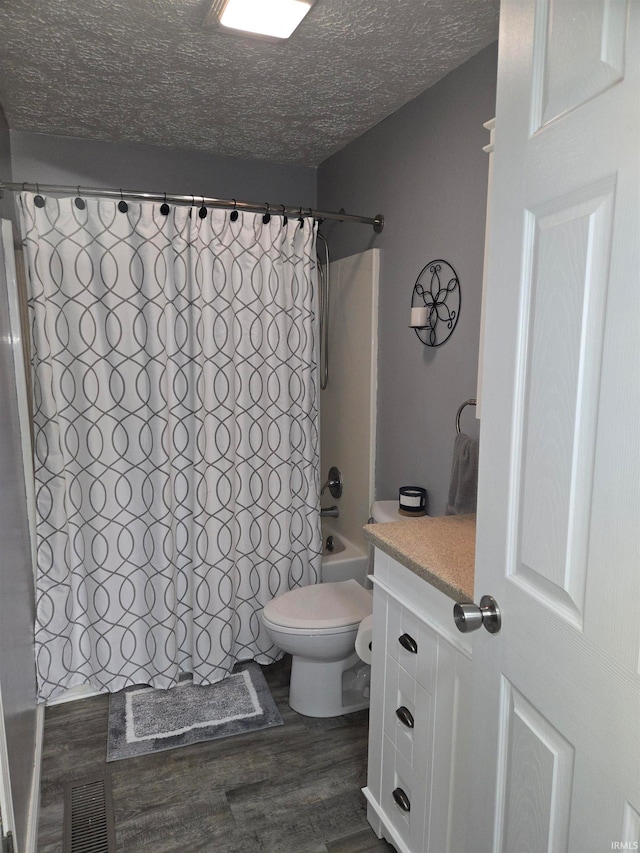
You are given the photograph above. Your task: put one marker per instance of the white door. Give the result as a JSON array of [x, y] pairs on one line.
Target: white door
[[555, 763], [19, 719]]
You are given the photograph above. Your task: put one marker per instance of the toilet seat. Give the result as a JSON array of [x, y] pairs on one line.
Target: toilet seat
[[326, 607]]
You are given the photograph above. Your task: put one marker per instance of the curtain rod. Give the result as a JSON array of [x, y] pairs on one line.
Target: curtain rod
[[231, 204]]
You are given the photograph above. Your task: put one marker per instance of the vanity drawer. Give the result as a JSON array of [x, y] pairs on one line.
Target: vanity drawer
[[412, 644], [403, 797], [408, 714]]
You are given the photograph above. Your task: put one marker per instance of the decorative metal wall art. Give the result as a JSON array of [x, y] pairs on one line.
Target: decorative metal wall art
[[435, 303]]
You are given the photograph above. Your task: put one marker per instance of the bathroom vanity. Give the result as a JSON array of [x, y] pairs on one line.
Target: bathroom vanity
[[419, 717]]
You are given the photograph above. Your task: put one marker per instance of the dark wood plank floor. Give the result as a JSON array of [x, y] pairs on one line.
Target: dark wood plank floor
[[290, 789]]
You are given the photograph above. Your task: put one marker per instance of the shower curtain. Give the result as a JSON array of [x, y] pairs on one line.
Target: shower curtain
[[175, 436]]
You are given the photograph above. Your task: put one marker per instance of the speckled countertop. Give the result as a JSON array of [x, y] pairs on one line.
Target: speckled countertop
[[439, 550]]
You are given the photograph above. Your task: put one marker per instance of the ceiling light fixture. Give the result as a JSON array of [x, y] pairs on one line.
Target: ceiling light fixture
[[267, 19]]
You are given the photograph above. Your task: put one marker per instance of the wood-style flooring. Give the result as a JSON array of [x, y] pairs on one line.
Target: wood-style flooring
[[289, 789]]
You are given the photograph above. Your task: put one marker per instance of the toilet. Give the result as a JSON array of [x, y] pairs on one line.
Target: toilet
[[317, 625]]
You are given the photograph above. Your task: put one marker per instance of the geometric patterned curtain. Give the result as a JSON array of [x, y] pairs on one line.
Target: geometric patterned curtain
[[175, 436]]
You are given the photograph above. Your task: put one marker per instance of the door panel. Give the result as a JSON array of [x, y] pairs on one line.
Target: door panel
[[564, 303], [630, 825], [536, 770], [579, 54]]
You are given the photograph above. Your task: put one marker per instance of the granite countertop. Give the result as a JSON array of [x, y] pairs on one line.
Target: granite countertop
[[439, 550]]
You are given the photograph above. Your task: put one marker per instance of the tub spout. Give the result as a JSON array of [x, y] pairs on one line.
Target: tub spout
[[330, 512]]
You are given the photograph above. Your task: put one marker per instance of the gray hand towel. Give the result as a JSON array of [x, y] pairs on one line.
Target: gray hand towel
[[464, 476]]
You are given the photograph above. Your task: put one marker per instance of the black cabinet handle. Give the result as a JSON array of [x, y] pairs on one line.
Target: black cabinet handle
[[405, 716], [402, 800], [407, 642]]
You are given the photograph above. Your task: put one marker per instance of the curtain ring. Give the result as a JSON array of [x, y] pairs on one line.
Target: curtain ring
[[123, 207], [301, 218], [164, 207], [37, 199], [79, 203], [285, 218], [267, 216], [234, 212], [202, 213]]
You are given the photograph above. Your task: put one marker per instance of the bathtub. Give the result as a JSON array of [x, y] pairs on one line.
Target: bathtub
[[345, 561]]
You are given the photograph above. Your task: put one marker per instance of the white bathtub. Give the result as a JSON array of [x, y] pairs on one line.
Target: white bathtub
[[346, 561]]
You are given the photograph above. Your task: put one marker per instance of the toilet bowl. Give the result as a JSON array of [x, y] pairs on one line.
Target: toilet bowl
[[317, 626]]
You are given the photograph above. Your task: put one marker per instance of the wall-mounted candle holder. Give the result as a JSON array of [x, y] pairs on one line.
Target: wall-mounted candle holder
[[435, 303]]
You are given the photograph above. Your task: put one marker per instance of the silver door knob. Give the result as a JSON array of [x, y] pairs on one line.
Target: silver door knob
[[469, 617]]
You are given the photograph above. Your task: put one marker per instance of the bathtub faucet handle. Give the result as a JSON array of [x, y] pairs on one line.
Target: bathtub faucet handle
[[334, 483]]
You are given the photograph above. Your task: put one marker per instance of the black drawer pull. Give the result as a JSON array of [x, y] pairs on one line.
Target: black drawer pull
[[405, 716], [402, 800], [407, 642]]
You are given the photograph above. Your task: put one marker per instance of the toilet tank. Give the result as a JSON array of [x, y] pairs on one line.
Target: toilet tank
[[382, 511]]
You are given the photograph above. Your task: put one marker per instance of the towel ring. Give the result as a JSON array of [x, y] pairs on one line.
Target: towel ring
[[470, 402]]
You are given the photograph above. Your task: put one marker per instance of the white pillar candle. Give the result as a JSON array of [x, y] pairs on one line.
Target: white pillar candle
[[419, 317]]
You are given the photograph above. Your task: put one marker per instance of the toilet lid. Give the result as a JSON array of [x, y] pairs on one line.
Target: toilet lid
[[322, 605]]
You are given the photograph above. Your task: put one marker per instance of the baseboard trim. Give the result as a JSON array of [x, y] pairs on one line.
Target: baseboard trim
[[31, 841], [73, 694]]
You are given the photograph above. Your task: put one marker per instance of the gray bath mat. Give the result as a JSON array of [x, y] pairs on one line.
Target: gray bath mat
[[144, 720]]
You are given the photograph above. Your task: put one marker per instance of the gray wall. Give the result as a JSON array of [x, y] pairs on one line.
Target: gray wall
[[66, 160], [425, 170]]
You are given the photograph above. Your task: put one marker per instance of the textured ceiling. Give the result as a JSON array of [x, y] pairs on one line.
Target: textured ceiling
[[148, 71]]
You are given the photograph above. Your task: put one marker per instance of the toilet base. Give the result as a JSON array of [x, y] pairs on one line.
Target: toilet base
[[328, 689]]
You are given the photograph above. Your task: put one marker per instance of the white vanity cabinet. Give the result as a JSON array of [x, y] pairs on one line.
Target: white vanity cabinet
[[418, 725]]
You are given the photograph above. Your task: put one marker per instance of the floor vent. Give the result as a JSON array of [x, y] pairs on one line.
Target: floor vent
[[88, 817]]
